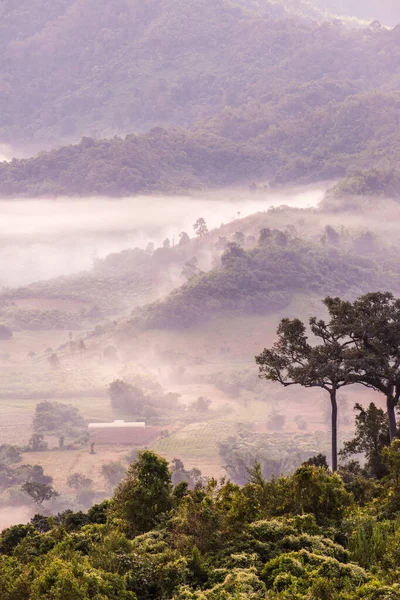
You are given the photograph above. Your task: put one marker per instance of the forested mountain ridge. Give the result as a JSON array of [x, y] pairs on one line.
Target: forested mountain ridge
[[85, 68], [264, 279], [302, 139]]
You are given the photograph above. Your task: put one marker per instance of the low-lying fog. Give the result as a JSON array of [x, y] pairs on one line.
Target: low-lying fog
[[44, 238]]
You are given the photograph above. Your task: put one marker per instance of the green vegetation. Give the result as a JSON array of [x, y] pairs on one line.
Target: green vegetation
[[360, 344], [312, 144], [362, 188], [265, 279], [304, 536]]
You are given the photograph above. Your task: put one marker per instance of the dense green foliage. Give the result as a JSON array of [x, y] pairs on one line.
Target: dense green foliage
[[301, 537]]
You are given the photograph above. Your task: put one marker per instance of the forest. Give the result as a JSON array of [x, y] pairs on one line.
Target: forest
[[265, 278], [309, 535], [200, 300], [322, 103]]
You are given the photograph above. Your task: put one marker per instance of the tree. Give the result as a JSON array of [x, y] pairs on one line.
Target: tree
[[319, 460], [180, 474], [372, 436], [372, 326], [145, 494], [39, 492], [332, 236], [200, 227], [190, 269], [36, 443], [126, 397], [54, 361], [184, 239], [166, 244], [37, 475], [239, 238], [113, 472], [78, 481], [56, 416], [202, 404], [293, 361], [265, 236]]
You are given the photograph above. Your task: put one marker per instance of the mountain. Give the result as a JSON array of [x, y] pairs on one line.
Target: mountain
[[304, 138], [88, 67], [73, 68], [266, 278]]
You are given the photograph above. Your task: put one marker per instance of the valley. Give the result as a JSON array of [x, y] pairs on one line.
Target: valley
[[199, 300]]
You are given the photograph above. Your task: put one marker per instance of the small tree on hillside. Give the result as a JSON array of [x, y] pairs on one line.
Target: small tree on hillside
[[36, 443], [190, 269], [184, 239], [200, 227], [239, 238], [126, 397], [202, 404], [39, 492], [113, 472], [78, 482], [54, 361]]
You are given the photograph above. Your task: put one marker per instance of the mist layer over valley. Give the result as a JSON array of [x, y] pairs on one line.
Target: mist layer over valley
[[199, 300], [44, 238]]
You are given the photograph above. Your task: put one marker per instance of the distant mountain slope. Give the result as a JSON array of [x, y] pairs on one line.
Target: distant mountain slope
[[310, 135], [90, 67], [76, 67], [266, 278]]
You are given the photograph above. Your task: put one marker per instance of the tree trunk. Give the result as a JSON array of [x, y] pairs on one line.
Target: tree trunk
[[391, 418], [334, 430]]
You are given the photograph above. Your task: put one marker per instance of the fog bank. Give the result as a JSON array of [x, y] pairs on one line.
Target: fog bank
[[5, 153], [44, 238], [12, 516]]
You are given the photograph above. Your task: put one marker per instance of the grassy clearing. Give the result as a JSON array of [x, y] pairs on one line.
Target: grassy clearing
[[197, 440], [62, 464]]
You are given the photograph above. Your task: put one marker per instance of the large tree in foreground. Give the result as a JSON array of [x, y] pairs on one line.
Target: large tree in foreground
[[371, 324], [294, 361]]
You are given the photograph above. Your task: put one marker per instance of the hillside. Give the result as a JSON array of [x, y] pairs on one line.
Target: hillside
[[296, 141], [139, 65], [136, 64], [266, 278]]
